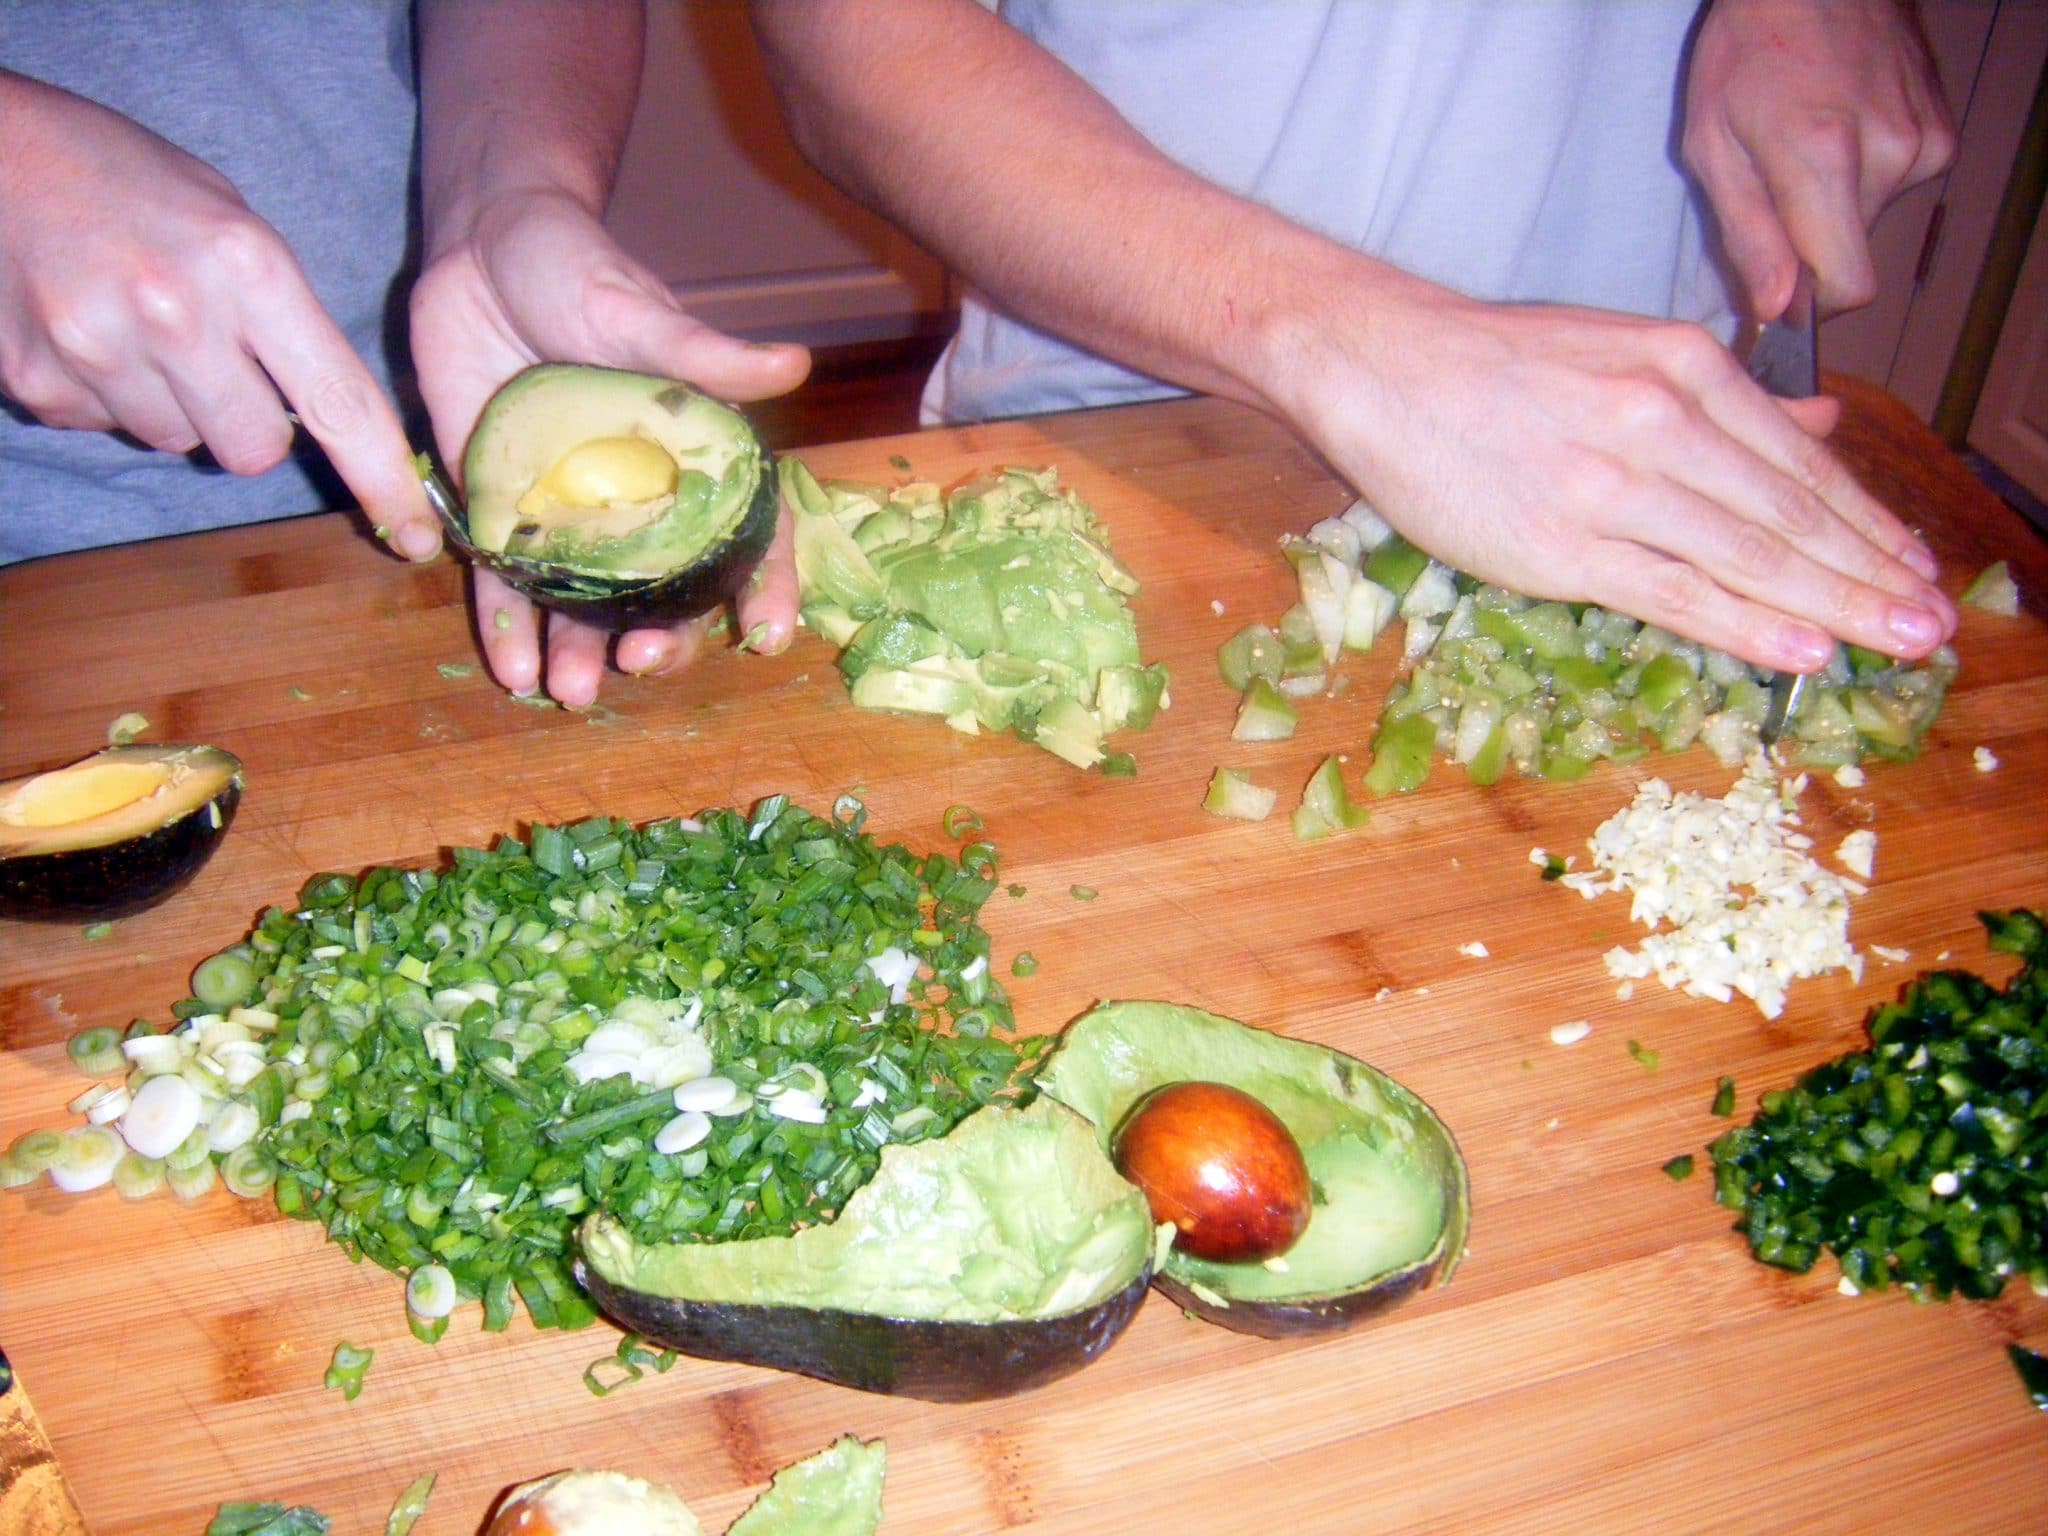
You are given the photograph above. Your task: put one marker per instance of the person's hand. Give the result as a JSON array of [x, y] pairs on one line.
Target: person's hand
[[139, 293], [1803, 120], [537, 277], [1585, 455]]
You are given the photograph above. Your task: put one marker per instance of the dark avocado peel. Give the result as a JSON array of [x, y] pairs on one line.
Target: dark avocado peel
[[113, 833], [990, 1261], [1391, 1203], [624, 499]]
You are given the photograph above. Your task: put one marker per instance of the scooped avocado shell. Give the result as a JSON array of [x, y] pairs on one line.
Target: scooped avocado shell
[[622, 498], [991, 1260], [1390, 1200], [115, 832]]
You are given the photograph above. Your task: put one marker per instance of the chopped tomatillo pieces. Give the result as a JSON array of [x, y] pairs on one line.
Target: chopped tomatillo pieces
[[1646, 1058], [1921, 1162]]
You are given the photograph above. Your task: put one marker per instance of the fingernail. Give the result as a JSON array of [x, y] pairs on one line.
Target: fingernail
[[1914, 627], [1919, 559], [1807, 650], [417, 541], [659, 655]]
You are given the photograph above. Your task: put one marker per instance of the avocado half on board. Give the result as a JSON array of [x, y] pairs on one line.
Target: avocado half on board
[[621, 498], [113, 833], [1390, 1197], [997, 1258]]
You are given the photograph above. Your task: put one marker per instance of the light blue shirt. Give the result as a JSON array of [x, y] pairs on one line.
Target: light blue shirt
[[309, 109], [1516, 150]]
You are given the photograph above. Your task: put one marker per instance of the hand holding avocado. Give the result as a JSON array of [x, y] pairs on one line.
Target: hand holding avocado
[[537, 276]]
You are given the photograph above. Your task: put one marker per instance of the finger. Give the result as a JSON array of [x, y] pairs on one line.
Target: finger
[[140, 403], [235, 408], [1816, 417], [1785, 477], [657, 652], [1659, 589], [1815, 181], [649, 333], [768, 603], [1750, 560], [509, 630], [347, 413], [1755, 238], [576, 653]]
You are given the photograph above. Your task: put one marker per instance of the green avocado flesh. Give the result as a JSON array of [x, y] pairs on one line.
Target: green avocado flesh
[[1391, 1199], [997, 1258], [996, 606], [590, 487], [1015, 1214], [115, 832], [837, 1492]]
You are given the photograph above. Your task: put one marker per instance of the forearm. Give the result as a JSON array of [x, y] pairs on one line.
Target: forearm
[[1017, 174], [522, 96]]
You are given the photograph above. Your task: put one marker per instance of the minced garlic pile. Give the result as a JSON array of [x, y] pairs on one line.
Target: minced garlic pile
[[1741, 905]]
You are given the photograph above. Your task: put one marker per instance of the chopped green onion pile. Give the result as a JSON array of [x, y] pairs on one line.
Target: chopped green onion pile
[[393, 1058], [1923, 1161]]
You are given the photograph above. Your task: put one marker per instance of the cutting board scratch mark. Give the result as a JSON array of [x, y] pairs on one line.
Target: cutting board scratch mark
[[741, 1437], [1003, 1476]]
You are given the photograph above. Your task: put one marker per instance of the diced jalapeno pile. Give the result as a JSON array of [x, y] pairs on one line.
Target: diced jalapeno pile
[[1923, 1161]]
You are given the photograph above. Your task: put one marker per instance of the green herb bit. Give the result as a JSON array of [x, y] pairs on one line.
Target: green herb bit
[[94, 932], [960, 823], [346, 1371], [532, 700], [1026, 964], [1724, 1098], [1554, 867], [755, 635], [267, 1519], [454, 671], [297, 694], [411, 1505], [1646, 1058], [2033, 1369], [1083, 892], [1016, 891], [125, 728], [502, 619], [1679, 1167], [1118, 765], [899, 463]]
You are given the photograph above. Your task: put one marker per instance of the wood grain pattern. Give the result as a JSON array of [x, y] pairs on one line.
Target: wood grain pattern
[[1608, 1359]]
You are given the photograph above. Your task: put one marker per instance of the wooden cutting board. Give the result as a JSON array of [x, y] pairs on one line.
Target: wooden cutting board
[[1608, 1359]]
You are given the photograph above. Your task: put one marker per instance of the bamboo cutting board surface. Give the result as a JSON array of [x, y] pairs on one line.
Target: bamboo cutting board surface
[[1609, 1358]]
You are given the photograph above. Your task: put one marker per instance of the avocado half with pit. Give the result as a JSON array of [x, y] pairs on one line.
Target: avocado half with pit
[[1390, 1198], [113, 833], [997, 1258], [621, 498]]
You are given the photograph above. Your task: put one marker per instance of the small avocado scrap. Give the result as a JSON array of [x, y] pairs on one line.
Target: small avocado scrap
[[995, 606]]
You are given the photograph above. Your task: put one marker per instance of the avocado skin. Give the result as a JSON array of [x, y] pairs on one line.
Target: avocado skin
[[1312, 1315], [682, 594], [935, 1361], [117, 879]]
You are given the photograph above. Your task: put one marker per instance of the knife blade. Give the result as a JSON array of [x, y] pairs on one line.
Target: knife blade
[[1783, 355]]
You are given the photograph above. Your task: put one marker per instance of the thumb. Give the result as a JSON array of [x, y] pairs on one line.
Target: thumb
[[651, 333]]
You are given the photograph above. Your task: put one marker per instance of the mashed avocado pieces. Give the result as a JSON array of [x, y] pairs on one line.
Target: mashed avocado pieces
[[996, 605]]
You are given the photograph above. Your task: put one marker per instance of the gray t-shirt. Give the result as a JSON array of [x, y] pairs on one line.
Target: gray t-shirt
[[1510, 149], [310, 110]]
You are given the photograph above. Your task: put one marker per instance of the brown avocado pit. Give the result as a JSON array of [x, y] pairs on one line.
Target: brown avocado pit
[[113, 833], [622, 498]]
